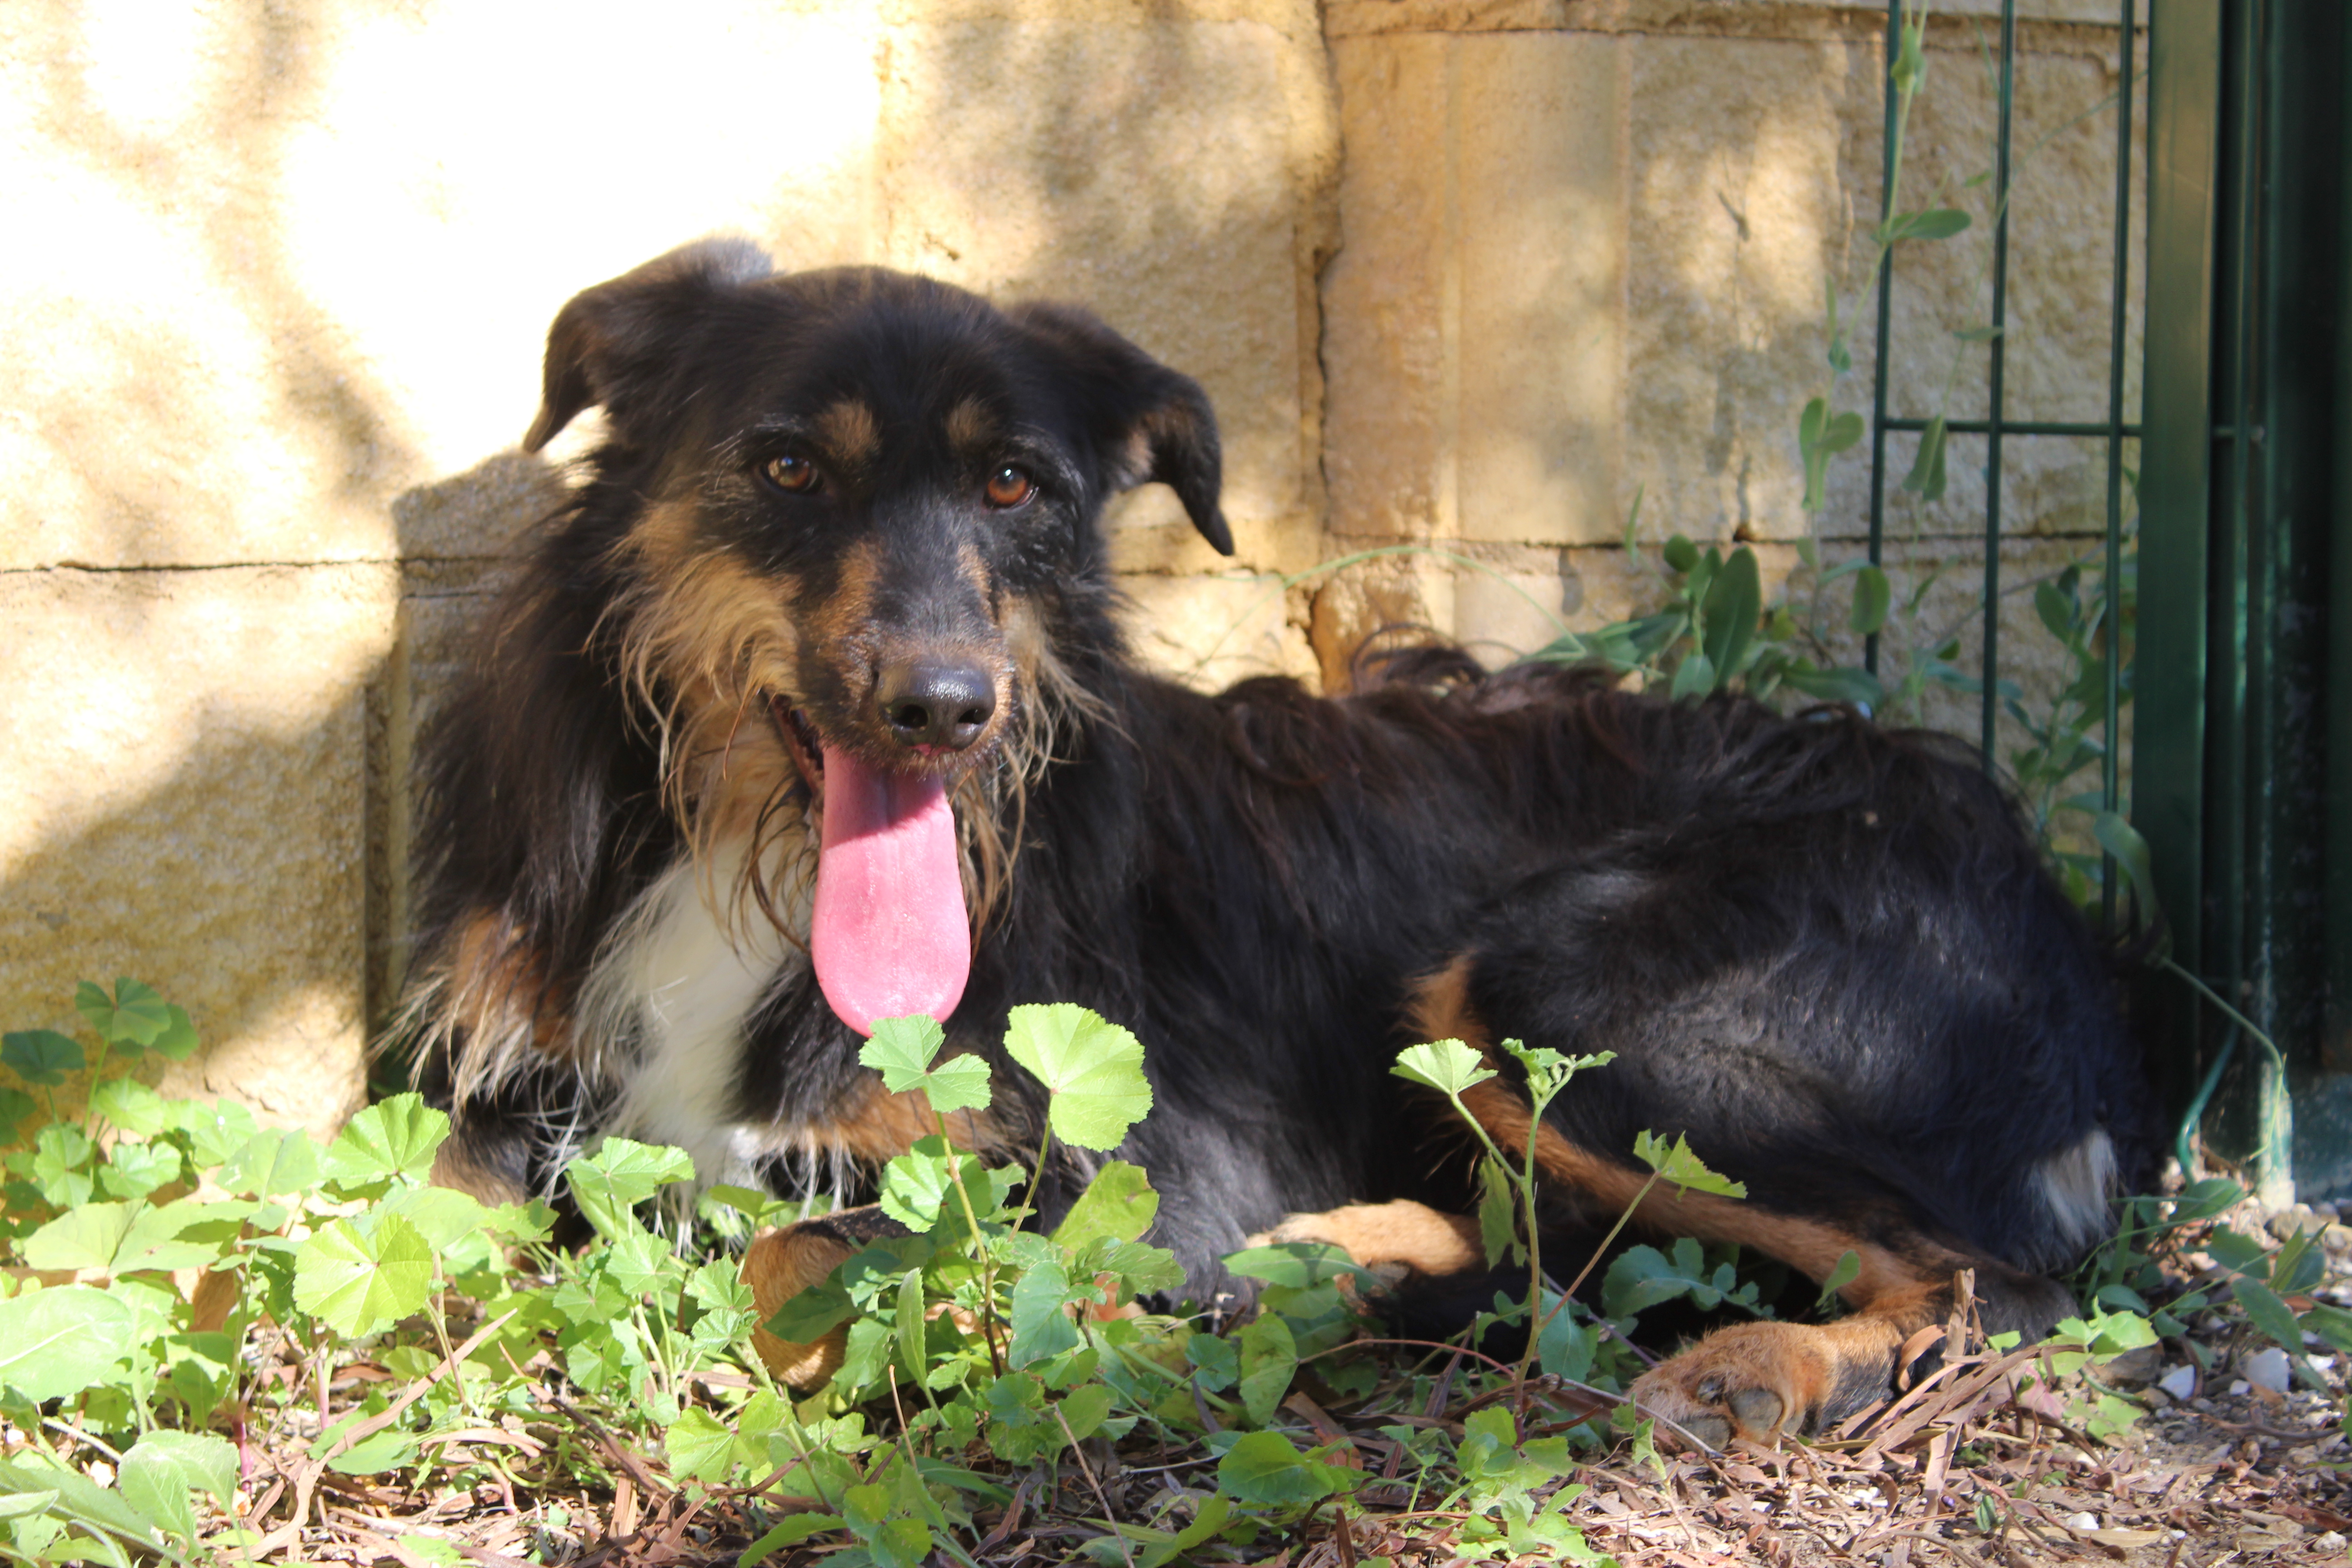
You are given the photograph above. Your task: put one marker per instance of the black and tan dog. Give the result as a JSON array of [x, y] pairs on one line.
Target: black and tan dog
[[811, 707]]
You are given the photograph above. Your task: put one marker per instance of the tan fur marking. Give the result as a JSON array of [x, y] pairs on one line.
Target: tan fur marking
[[1402, 1232], [850, 435], [844, 620], [1438, 1007], [876, 1125], [970, 427]]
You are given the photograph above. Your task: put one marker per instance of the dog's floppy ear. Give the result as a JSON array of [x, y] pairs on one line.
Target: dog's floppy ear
[[1148, 422], [618, 335]]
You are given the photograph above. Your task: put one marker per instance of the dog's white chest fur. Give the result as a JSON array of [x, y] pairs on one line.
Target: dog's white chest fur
[[667, 1008]]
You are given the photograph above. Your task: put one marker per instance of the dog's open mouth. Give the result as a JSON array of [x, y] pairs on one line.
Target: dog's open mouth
[[889, 936]]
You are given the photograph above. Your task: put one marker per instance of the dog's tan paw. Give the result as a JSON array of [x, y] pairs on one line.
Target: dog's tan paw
[[777, 1266], [1387, 1236], [1754, 1380]]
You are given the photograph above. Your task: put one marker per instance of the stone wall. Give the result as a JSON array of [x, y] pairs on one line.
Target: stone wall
[[1459, 275]]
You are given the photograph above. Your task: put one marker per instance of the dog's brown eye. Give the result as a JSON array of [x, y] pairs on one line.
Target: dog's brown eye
[[792, 473], [1010, 486]]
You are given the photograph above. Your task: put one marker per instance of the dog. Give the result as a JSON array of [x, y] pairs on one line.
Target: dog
[[811, 706]]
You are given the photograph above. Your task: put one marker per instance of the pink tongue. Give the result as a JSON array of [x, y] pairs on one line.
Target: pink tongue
[[889, 936]]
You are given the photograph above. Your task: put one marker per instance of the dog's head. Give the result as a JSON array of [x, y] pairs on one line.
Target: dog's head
[[854, 517]]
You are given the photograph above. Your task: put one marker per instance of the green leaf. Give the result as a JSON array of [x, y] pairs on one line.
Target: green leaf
[[1693, 678], [916, 1185], [103, 1513], [1874, 597], [128, 1104], [1093, 1069], [1040, 1326], [1269, 1361], [358, 1282], [902, 1050], [2119, 838], [1498, 1213], [700, 1448], [1820, 436], [1566, 1345], [134, 1015], [1680, 553], [216, 1130], [795, 1530], [188, 1233], [619, 1176], [85, 1237], [163, 1466], [137, 1169], [1118, 1203], [55, 1342], [1735, 602], [1925, 478], [41, 1055], [272, 1163], [1979, 334], [1642, 1278], [390, 1450], [910, 1324], [1085, 1409], [1449, 1067], [393, 1138], [1265, 1469], [2267, 1312], [1935, 223], [1677, 1163], [1843, 685], [2057, 610], [178, 1041], [1848, 1270], [14, 1106], [1297, 1264]]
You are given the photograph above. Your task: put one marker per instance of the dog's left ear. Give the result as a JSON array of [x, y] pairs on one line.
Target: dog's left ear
[[1148, 423], [610, 344]]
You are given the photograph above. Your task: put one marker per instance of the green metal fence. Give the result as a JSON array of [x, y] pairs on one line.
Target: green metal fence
[[2240, 781], [2243, 672]]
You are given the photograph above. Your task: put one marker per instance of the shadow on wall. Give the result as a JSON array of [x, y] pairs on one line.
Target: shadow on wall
[[230, 692]]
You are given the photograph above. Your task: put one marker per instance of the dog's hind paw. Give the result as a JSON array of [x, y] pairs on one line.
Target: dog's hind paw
[[1758, 1381]]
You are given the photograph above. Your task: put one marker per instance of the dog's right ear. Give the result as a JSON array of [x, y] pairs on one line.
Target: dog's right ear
[[1148, 422], [614, 339]]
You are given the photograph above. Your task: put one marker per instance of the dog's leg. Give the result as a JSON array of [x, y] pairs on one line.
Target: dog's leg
[[780, 1264], [1757, 1380]]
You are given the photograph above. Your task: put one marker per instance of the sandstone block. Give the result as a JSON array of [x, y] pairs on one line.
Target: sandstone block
[[188, 807], [1539, 119], [1210, 632], [1059, 159]]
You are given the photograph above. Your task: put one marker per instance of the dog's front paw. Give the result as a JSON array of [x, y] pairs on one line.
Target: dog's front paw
[[1389, 1238], [1753, 1380], [780, 1264], [777, 1266]]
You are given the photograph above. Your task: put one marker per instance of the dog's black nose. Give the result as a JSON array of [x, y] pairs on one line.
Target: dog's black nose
[[936, 704]]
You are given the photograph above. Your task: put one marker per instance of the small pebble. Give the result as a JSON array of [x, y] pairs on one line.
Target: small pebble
[[2268, 1369], [2083, 1521], [2179, 1383], [2240, 1386], [2331, 1541]]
